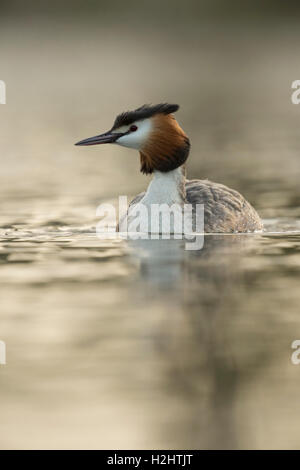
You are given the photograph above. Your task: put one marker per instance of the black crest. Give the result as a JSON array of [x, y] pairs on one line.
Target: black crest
[[145, 111]]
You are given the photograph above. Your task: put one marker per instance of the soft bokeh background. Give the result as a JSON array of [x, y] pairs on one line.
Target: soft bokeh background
[[143, 345]]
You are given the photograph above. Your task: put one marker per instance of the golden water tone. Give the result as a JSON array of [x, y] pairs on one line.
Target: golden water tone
[[142, 344]]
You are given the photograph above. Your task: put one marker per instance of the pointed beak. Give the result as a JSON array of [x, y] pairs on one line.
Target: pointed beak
[[106, 138]]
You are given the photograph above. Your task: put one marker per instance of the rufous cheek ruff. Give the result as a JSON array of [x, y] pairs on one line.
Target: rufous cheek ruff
[[167, 147]]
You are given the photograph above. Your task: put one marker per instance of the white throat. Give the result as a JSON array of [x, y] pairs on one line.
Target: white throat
[[166, 188]]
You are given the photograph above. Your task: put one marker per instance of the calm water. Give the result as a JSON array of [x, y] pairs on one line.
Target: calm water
[[115, 344], [143, 344]]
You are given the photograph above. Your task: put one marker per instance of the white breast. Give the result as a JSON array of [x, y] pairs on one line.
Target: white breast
[[161, 209]]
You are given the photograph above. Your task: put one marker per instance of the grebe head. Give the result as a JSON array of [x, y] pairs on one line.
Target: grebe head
[[154, 132]]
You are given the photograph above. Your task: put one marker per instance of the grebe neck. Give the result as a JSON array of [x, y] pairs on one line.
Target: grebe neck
[[166, 188]]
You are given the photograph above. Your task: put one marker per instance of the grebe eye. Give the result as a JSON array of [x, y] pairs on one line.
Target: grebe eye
[[133, 128]]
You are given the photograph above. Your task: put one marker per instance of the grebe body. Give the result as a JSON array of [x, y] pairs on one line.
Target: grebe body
[[164, 148]]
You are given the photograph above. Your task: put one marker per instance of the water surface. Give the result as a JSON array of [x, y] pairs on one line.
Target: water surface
[[144, 344]]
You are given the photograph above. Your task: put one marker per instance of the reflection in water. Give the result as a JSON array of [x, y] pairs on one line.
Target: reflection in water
[[160, 263], [194, 287], [209, 350], [145, 344]]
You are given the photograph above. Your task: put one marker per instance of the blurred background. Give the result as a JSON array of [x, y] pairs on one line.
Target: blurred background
[[143, 345]]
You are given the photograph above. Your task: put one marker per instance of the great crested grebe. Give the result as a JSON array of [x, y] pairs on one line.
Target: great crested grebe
[[164, 148]]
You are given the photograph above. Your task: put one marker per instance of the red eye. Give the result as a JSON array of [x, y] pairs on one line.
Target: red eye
[[133, 128]]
